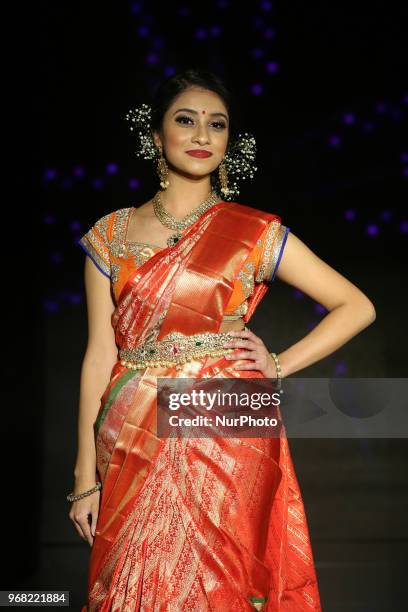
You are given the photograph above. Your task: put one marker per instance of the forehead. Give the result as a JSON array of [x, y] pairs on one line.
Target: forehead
[[199, 99]]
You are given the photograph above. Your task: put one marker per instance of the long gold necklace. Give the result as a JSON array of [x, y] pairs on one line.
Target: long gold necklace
[[181, 224]]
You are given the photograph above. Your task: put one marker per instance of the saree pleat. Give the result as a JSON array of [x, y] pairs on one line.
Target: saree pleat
[[192, 523]]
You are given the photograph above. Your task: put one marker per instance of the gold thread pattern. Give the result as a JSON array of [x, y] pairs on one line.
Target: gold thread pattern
[[96, 243], [271, 248]]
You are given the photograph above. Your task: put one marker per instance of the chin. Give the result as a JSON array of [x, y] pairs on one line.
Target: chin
[[196, 170]]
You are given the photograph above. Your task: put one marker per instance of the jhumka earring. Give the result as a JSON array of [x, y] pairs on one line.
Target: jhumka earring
[[223, 176], [163, 171]]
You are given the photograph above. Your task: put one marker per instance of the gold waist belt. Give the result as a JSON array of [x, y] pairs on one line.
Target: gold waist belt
[[175, 349]]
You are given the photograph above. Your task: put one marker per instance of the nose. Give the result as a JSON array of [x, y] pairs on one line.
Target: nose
[[201, 135]]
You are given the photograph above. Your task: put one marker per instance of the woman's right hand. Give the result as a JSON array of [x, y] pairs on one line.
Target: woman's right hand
[[82, 509]]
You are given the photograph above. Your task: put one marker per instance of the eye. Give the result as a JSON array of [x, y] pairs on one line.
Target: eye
[[184, 119], [221, 125]]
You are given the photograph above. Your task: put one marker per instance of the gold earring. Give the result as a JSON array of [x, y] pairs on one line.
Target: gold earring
[[163, 171], [223, 176]]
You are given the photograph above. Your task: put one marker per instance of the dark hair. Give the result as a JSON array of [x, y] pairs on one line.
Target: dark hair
[[171, 87]]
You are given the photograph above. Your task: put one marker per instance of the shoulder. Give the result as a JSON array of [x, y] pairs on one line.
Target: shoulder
[[111, 224]]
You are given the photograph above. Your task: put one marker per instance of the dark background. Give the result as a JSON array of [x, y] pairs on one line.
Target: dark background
[[333, 163]]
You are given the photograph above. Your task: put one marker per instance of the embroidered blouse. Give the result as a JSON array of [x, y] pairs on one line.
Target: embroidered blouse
[[104, 244]]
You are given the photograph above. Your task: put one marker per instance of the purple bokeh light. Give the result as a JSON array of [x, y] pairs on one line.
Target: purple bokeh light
[[340, 368], [266, 5], [50, 306], [134, 183], [404, 227], [78, 171], [215, 30], [75, 298], [380, 107], [112, 168], [97, 183], [201, 34], [311, 325], [349, 118], [257, 53], [135, 7], [269, 33], [350, 214], [152, 58], [143, 31], [334, 140], [386, 215], [75, 225], [169, 71], [50, 174], [257, 89], [319, 308], [372, 229], [404, 156], [272, 67]]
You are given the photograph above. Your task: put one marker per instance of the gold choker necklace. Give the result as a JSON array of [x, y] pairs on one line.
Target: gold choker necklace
[[171, 222]]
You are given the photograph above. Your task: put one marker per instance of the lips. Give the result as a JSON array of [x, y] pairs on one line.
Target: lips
[[198, 153]]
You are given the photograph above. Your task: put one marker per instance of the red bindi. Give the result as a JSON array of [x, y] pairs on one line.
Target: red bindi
[[203, 112]]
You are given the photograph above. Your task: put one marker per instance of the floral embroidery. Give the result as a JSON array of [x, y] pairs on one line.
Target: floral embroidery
[[246, 276], [115, 269]]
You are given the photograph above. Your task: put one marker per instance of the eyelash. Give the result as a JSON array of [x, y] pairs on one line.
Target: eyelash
[[220, 123]]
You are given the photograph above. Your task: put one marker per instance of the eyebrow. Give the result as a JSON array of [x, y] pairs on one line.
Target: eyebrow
[[190, 110]]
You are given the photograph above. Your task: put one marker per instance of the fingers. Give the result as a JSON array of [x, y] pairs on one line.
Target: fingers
[[240, 355], [79, 530], [80, 519], [94, 521], [83, 523], [244, 338], [246, 366]]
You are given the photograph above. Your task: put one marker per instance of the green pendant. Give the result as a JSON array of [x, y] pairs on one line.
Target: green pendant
[[173, 239]]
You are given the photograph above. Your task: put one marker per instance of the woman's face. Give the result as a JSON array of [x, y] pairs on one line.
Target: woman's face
[[197, 120]]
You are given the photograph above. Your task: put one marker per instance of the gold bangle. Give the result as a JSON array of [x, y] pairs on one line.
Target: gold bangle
[[71, 497]]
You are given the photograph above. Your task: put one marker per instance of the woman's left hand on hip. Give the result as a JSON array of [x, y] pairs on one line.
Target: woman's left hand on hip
[[253, 348]]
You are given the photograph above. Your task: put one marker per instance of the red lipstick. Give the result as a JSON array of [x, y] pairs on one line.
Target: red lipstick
[[199, 153]]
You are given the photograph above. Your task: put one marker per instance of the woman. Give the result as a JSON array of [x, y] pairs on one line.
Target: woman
[[193, 523]]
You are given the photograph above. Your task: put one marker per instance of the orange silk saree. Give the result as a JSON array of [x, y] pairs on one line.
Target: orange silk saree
[[193, 523]]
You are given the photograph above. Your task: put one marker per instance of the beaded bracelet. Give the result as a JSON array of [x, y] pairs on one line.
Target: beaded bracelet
[[71, 497], [278, 368]]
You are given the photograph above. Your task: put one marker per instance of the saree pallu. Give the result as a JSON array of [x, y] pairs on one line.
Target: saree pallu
[[192, 523]]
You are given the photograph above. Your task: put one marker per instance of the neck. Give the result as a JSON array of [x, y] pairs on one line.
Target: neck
[[182, 195]]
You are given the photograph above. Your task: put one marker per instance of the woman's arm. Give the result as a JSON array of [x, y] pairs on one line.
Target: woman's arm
[[99, 359], [350, 310]]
